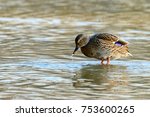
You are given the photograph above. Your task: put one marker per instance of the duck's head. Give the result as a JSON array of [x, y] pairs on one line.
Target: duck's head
[[80, 41]]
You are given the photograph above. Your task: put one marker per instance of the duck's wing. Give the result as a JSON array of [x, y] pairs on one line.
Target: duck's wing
[[111, 38], [121, 42], [107, 37]]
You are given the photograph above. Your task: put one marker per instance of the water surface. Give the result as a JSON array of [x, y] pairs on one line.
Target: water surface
[[37, 40]]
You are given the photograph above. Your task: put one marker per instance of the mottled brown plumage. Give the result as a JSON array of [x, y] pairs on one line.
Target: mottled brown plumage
[[102, 46]]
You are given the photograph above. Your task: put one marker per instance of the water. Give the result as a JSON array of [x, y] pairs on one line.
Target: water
[[37, 41]]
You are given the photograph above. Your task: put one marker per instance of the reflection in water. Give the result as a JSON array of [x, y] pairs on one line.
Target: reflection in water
[[106, 75], [99, 74], [37, 40]]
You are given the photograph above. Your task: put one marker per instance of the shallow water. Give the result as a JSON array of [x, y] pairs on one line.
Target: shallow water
[[37, 40]]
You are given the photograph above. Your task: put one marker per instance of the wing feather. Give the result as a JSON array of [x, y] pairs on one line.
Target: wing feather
[[107, 36]]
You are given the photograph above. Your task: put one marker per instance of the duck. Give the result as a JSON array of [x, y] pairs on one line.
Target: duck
[[102, 46]]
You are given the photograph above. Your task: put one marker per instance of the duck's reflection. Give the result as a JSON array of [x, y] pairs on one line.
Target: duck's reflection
[[109, 75]]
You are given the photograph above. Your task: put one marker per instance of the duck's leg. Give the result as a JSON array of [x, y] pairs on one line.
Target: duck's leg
[[102, 61], [108, 60]]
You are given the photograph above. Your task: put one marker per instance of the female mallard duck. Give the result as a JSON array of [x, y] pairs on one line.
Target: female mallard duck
[[102, 46]]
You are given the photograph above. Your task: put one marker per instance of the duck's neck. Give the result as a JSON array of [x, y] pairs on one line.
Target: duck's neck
[[86, 40]]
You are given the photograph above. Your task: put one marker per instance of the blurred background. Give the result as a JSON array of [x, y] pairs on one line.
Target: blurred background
[[37, 40]]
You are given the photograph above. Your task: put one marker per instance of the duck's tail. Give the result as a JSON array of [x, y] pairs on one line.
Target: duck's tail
[[120, 51], [130, 54]]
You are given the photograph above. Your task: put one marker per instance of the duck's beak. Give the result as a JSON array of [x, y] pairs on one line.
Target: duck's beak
[[75, 50]]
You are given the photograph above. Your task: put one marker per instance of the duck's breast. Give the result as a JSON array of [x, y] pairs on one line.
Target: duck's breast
[[92, 50]]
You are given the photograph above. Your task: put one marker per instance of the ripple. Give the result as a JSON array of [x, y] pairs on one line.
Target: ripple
[[37, 40], [32, 21]]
